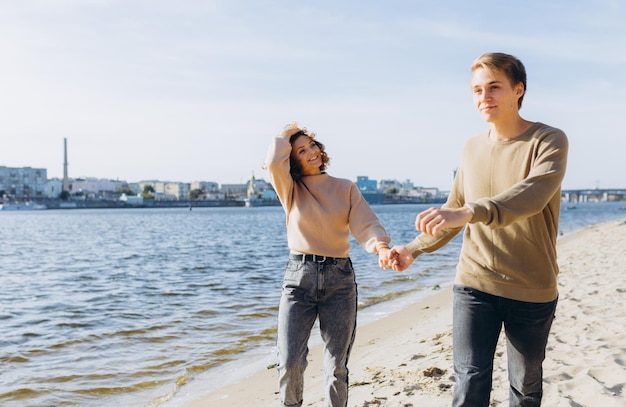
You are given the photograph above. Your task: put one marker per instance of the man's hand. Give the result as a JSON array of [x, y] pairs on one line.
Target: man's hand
[[400, 258], [433, 220]]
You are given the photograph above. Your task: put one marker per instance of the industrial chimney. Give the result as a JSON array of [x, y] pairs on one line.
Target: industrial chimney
[[66, 181]]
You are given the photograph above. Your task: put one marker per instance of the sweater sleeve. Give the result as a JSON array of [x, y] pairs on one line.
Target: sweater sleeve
[[364, 224], [424, 243], [531, 194], [277, 163]]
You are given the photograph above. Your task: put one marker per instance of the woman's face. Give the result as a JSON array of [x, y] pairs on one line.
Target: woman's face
[[306, 152]]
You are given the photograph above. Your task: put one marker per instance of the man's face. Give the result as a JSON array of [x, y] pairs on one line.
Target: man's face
[[494, 96]]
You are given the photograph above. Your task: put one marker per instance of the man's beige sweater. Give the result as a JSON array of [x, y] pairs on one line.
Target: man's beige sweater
[[321, 210], [514, 189]]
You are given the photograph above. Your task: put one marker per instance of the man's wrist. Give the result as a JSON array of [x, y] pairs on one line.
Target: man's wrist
[[469, 212]]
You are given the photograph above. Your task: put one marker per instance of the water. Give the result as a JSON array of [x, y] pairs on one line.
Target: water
[[135, 307]]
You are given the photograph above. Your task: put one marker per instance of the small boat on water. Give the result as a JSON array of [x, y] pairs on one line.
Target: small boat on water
[[22, 206], [254, 202]]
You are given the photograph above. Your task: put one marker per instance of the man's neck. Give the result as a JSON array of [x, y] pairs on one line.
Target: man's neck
[[508, 130]]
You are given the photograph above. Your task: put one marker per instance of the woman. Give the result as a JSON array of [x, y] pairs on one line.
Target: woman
[[321, 212]]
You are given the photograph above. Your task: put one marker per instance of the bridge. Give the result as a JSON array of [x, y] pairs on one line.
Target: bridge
[[593, 195]]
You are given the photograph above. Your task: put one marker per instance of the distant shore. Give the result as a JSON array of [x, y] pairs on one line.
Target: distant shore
[[373, 198], [51, 203], [113, 204]]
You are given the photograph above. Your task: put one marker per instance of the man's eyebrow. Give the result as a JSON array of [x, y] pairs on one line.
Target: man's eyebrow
[[495, 81]]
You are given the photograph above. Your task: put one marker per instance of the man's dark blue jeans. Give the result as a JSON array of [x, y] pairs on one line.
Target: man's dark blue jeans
[[478, 318]]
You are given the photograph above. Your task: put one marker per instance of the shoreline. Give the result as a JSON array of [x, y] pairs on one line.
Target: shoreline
[[406, 356]]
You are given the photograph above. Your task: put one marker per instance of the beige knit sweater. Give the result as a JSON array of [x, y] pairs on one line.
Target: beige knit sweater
[[321, 211], [514, 190]]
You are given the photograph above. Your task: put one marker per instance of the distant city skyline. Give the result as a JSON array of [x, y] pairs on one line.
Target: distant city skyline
[[194, 90], [244, 182]]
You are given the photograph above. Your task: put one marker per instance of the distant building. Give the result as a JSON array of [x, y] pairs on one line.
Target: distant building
[[387, 184], [423, 194], [178, 189], [167, 190], [96, 187], [23, 182], [260, 193], [230, 190], [54, 188], [408, 185], [205, 186], [259, 188], [365, 184], [135, 187], [209, 191]]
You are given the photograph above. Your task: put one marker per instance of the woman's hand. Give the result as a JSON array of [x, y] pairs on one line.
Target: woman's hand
[[289, 130], [383, 257]]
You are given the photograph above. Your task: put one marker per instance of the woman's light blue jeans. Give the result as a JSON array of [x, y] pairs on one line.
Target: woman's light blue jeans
[[325, 290], [477, 321]]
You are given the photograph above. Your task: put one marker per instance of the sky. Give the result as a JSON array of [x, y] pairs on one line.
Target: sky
[[194, 90]]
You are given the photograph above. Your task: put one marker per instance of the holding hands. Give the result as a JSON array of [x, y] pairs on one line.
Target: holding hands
[[400, 258], [431, 221], [397, 258]]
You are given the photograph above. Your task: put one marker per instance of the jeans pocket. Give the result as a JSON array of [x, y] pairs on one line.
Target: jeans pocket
[[344, 266], [294, 273]]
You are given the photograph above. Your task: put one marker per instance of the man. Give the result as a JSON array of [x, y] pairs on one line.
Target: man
[[506, 194]]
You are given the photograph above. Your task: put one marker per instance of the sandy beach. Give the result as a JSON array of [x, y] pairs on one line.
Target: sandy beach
[[405, 359]]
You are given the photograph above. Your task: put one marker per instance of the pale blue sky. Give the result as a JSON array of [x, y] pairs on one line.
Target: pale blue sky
[[194, 90]]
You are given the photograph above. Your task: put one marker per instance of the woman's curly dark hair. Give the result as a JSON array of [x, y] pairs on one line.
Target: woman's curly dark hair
[[294, 166]]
